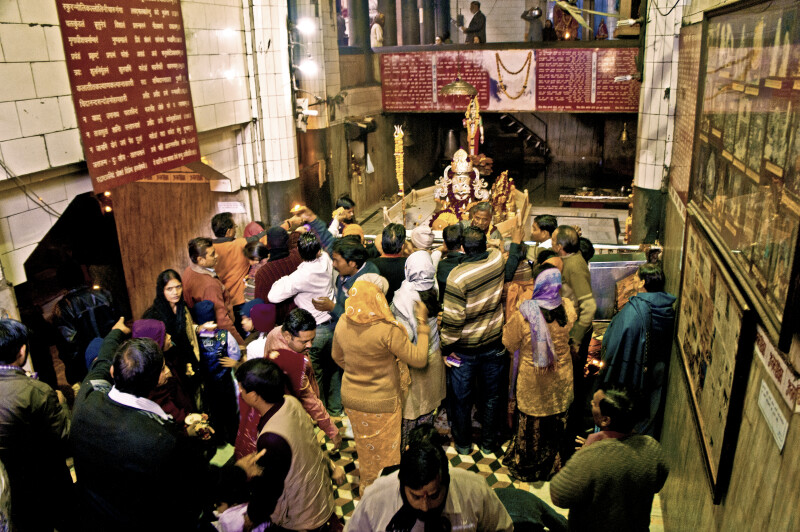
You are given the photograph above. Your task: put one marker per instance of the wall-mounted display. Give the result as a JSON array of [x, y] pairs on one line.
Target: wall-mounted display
[[745, 181], [715, 335]]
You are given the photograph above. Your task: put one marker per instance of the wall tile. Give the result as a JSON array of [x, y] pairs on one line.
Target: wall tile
[[198, 66], [39, 116], [68, 118], [64, 147], [29, 227], [205, 118], [77, 184], [241, 111], [6, 245], [12, 201], [225, 114], [194, 15], [50, 79], [9, 11], [55, 48], [9, 122], [212, 91], [23, 43], [50, 190], [14, 264], [17, 82], [25, 156], [38, 12]]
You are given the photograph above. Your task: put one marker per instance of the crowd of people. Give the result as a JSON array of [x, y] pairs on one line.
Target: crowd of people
[[265, 337]]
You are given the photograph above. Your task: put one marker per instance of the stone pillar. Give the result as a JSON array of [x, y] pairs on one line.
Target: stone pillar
[[428, 22], [656, 115], [389, 10], [442, 14], [410, 22], [358, 15]]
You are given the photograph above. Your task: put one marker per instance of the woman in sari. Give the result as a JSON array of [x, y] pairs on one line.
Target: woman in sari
[[539, 332], [371, 346], [428, 385]]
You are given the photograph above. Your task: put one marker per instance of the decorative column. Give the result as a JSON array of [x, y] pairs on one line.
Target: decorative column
[[389, 10], [410, 22], [656, 118], [428, 30]]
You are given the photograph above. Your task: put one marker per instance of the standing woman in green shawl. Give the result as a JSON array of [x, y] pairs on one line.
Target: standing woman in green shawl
[[539, 331]]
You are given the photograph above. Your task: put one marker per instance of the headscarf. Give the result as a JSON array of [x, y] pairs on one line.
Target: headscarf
[[252, 229], [278, 243], [367, 304], [420, 275], [422, 237], [376, 279], [153, 329], [546, 295], [263, 316]]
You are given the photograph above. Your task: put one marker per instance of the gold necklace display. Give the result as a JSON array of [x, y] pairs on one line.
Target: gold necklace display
[[528, 62]]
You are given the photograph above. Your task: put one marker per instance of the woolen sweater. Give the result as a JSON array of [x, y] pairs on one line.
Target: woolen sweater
[[610, 484], [472, 320], [368, 354]]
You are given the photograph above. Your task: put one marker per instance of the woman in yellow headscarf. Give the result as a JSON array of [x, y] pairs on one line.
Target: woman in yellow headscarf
[[373, 349]]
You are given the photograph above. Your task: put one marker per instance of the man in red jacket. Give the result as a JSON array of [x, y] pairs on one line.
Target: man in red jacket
[[200, 282]]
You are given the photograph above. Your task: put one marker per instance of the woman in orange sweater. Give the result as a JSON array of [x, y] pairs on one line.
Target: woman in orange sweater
[[374, 351]]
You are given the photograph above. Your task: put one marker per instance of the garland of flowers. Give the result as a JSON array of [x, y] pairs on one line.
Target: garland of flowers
[[528, 62]]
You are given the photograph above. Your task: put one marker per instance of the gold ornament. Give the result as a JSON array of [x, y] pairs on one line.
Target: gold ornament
[[528, 62]]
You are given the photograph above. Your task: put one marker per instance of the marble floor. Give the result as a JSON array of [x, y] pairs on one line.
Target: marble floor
[[488, 466]]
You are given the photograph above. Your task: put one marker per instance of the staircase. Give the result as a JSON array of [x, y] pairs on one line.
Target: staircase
[[535, 148]]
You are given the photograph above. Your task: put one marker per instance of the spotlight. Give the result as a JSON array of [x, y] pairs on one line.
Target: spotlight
[[308, 66], [306, 26]]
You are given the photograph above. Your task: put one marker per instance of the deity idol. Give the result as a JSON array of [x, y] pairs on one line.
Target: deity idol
[[474, 124], [459, 187]]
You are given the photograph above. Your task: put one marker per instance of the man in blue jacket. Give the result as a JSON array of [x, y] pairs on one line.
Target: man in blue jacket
[[637, 345]]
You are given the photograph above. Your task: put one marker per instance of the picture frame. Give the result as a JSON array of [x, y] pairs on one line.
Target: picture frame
[[747, 153], [715, 332]]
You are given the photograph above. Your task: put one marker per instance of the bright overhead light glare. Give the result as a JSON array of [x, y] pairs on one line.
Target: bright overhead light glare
[[306, 26], [229, 74], [308, 66]]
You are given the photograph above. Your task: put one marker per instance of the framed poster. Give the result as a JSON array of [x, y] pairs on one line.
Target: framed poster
[[745, 177], [715, 334]]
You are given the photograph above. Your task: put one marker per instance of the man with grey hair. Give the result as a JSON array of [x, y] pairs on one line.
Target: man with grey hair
[[480, 216]]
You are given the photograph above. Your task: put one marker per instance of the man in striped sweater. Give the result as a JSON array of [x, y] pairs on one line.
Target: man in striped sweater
[[472, 328]]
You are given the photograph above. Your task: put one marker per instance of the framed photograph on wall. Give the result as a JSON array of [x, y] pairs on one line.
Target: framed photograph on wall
[[715, 334], [745, 177]]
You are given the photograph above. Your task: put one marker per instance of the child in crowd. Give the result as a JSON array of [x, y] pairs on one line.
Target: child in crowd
[[218, 354]]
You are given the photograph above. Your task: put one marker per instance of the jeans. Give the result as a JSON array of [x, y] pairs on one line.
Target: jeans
[[327, 373], [488, 368]]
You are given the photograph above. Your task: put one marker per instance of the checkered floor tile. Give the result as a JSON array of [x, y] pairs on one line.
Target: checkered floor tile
[[489, 466]]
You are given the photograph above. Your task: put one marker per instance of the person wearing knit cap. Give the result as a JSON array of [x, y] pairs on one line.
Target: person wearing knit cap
[[245, 311], [169, 395], [356, 230], [281, 262], [218, 354]]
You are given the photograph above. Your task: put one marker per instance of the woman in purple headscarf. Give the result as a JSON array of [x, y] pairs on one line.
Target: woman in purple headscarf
[[539, 331]]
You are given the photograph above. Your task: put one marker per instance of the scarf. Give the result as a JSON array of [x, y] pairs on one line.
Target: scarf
[[367, 304], [420, 275], [546, 295]]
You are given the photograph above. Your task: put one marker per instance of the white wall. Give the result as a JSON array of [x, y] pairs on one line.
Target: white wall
[[503, 22], [40, 142]]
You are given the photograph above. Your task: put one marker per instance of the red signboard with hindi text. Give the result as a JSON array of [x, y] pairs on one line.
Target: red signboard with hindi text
[[127, 70]]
